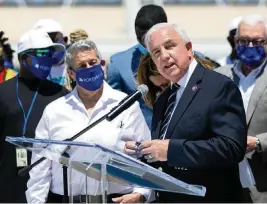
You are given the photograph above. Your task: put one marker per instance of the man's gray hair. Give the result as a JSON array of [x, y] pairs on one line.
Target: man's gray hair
[[80, 45], [158, 26], [252, 20]]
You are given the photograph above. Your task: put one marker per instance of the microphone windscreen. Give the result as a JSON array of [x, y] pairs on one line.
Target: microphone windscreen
[[143, 89]]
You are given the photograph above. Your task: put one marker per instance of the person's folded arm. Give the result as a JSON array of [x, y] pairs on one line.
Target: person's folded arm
[[228, 129]]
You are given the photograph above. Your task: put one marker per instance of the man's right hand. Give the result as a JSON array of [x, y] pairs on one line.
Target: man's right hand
[[131, 148]]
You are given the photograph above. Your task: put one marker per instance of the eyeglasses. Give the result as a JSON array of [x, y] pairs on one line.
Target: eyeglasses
[[255, 42], [40, 52]]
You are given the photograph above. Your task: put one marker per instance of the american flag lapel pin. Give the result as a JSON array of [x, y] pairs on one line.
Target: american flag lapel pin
[[194, 88]]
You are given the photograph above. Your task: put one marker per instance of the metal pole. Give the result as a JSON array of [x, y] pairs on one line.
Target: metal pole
[[220, 2], [157, 2], [131, 8], [262, 2]]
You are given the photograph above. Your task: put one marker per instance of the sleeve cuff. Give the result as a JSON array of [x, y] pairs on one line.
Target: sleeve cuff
[[174, 149], [120, 146], [145, 192]]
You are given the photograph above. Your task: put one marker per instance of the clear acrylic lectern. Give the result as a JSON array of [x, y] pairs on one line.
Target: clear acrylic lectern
[[95, 170]]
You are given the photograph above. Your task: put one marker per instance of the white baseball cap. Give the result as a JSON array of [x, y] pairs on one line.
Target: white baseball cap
[[48, 25], [37, 39], [234, 23]]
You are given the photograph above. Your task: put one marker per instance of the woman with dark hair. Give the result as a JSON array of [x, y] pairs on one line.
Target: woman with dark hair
[[148, 74]]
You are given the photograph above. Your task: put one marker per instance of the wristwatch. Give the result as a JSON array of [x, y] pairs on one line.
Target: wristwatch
[[258, 146]]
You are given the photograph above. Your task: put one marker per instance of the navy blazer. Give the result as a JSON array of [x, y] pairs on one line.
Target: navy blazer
[[208, 137], [121, 76]]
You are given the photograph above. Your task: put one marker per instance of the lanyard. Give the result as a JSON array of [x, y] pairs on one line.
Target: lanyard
[[21, 106]]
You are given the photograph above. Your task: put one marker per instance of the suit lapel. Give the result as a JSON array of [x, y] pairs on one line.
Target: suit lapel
[[158, 115], [261, 83], [188, 95]]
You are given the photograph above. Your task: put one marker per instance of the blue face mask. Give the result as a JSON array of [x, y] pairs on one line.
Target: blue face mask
[[142, 49], [40, 66], [250, 56], [91, 78], [59, 55]]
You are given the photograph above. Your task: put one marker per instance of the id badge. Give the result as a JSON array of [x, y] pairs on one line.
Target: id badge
[[22, 159]]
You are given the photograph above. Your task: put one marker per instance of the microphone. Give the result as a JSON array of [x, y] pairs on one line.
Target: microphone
[[114, 112], [127, 102]]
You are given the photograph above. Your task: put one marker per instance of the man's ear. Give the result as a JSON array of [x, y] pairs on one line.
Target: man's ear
[[71, 74], [103, 62], [104, 68], [188, 46]]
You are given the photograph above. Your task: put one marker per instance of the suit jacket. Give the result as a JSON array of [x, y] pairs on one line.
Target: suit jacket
[[121, 76], [256, 118], [207, 135]]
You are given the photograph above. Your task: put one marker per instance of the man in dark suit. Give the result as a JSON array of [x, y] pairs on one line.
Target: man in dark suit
[[123, 65], [199, 123]]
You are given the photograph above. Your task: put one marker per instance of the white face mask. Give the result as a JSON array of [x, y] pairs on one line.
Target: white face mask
[[58, 74]]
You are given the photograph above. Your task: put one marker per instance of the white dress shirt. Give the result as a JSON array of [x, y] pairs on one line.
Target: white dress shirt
[[247, 83], [67, 116], [246, 86], [182, 83]]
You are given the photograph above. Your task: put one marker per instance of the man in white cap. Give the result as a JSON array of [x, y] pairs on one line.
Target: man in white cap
[[22, 101], [232, 58], [58, 72]]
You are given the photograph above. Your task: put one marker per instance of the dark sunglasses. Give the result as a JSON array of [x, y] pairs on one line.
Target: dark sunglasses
[[255, 42]]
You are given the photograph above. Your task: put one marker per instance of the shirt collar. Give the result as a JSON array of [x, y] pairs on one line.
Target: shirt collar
[[185, 79], [254, 73], [106, 95]]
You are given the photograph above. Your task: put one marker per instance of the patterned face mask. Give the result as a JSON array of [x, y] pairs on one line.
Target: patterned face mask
[[250, 55]]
